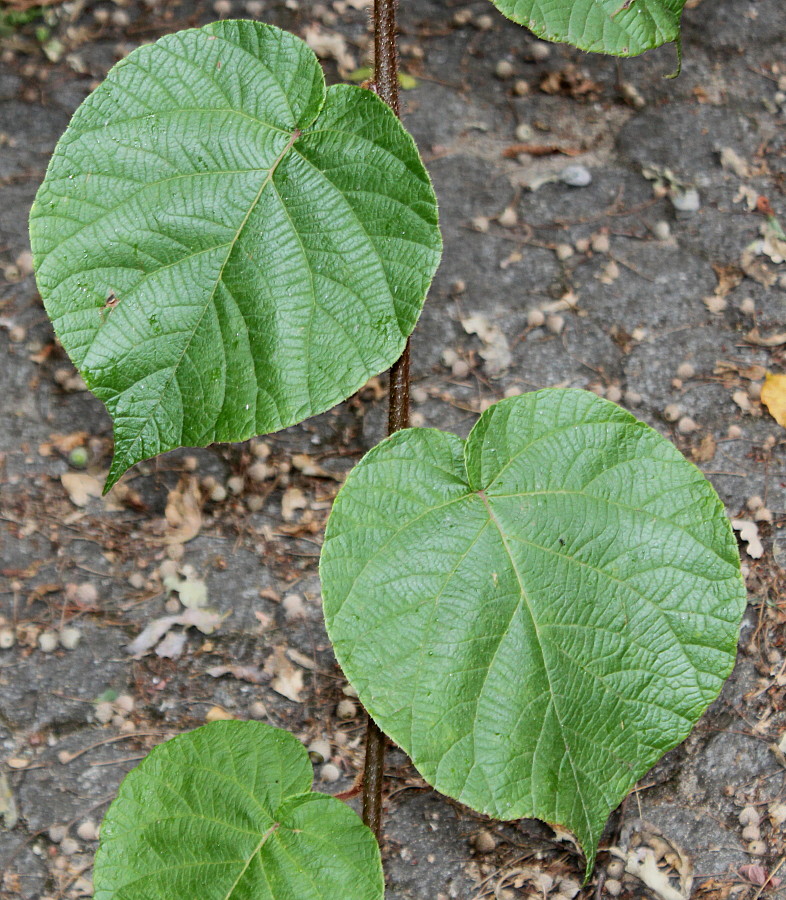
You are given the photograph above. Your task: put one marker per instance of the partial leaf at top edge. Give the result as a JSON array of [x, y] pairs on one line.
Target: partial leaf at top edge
[[618, 27], [226, 812], [537, 614], [224, 246]]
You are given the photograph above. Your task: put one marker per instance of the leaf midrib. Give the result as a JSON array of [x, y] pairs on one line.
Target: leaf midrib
[[539, 642], [230, 247]]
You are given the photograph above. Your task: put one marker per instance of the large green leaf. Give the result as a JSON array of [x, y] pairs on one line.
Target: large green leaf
[[537, 614], [619, 27], [227, 813], [269, 242]]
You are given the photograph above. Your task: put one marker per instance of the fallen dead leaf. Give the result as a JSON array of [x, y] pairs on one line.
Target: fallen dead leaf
[[748, 531], [305, 464], [287, 680], [771, 340], [204, 620], [330, 45], [80, 487], [706, 449], [253, 674], [218, 714], [183, 511], [773, 396], [292, 500], [496, 349]]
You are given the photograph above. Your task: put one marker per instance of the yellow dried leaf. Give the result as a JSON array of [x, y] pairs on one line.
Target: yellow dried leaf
[[773, 396]]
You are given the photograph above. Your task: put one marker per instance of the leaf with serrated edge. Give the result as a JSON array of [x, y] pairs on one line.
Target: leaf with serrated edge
[[226, 247], [618, 27], [226, 812], [537, 614]]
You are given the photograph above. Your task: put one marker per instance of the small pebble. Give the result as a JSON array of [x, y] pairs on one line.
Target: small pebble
[[218, 493], [460, 368], [555, 324], [485, 842], [484, 23], [346, 709], [120, 18], [329, 773], [255, 503], [686, 425], [260, 471], [521, 88], [715, 304], [748, 306], [742, 400], [47, 641], [536, 318], [524, 132], [419, 395], [235, 484], [755, 502], [504, 69], [632, 398], [754, 390], [125, 704], [563, 251], [68, 846], [661, 230], [319, 751], [17, 333], [136, 580], [672, 412], [458, 286], [685, 370], [261, 450], [763, 515], [757, 848], [417, 420], [255, 8], [600, 242], [257, 710], [613, 887], [508, 217], [687, 201], [538, 51], [293, 607], [69, 637], [576, 176], [462, 17], [613, 393], [222, 8], [7, 638], [56, 833], [349, 691], [777, 813], [87, 831], [751, 833], [615, 868], [749, 816], [103, 712], [218, 714], [481, 224], [734, 433]]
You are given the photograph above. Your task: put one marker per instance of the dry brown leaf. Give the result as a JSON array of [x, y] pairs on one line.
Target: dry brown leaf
[[771, 340], [287, 680], [729, 277], [748, 531], [773, 396], [292, 500], [253, 674], [706, 449], [183, 511], [330, 45], [305, 464], [80, 487]]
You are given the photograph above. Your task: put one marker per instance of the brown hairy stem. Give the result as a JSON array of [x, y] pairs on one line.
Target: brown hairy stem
[[386, 86]]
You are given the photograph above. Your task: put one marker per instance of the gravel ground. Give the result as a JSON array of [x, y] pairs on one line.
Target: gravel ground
[[645, 285]]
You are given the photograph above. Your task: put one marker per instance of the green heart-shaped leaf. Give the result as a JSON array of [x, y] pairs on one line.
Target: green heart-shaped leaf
[[537, 614], [227, 813], [619, 27], [224, 246]]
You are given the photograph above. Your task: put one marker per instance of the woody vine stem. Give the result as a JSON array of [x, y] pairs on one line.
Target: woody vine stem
[[386, 86]]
